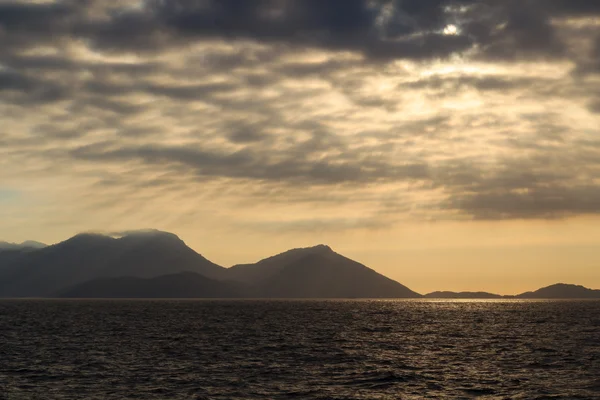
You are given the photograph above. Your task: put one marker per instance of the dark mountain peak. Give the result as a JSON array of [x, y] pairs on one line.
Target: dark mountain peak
[[127, 239], [149, 235], [265, 268], [146, 234], [311, 249], [288, 256], [89, 256], [317, 272], [330, 275], [87, 238], [33, 244], [28, 244], [321, 248], [139, 235], [131, 240], [302, 251]]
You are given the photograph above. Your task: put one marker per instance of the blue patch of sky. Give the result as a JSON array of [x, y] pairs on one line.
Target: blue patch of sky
[[8, 195]]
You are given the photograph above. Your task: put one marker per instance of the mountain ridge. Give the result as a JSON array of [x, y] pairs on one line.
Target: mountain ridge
[[144, 260], [89, 256], [255, 272], [323, 273], [28, 244], [139, 259]]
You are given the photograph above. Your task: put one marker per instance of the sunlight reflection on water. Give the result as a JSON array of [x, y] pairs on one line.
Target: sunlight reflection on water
[[371, 349]]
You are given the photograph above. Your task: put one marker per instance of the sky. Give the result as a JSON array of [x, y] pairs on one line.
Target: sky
[[450, 145]]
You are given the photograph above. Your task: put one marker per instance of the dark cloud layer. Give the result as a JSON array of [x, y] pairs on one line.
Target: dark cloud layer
[[296, 167], [378, 29], [521, 190], [540, 202], [105, 84]]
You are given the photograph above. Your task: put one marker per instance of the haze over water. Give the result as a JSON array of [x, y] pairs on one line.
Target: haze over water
[[415, 349]]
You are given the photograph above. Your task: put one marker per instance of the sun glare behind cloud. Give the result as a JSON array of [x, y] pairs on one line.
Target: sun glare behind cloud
[[451, 30]]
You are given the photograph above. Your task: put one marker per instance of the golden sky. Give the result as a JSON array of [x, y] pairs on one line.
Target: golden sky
[[450, 145]]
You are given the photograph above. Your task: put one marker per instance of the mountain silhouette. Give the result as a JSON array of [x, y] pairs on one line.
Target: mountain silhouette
[[181, 285], [266, 268], [85, 257], [317, 272], [462, 295], [558, 291], [562, 291], [28, 244], [10, 256], [152, 263]]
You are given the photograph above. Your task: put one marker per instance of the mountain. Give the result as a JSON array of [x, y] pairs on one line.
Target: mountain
[[29, 244], [462, 295], [11, 256], [159, 264], [181, 285], [149, 263], [254, 273], [562, 291], [316, 272], [86, 257], [558, 291], [33, 244]]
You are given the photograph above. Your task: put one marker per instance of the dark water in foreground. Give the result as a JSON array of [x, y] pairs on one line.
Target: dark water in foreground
[[299, 350]]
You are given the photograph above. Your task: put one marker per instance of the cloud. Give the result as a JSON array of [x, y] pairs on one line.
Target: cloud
[[553, 183], [379, 30], [23, 89], [294, 167], [451, 84], [572, 7], [246, 135], [303, 108], [535, 202], [318, 225]]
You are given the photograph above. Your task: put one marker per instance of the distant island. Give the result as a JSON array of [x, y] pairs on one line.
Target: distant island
[[561, 291], [557, 291], [155, 264]]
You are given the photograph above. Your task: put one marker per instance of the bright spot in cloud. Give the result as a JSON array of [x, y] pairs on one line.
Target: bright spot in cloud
[[450, 30]]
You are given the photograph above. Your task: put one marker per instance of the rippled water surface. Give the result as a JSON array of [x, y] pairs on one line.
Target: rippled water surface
[[161, 349]]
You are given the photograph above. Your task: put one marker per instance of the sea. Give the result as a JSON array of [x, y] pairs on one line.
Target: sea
[[314, 349]]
